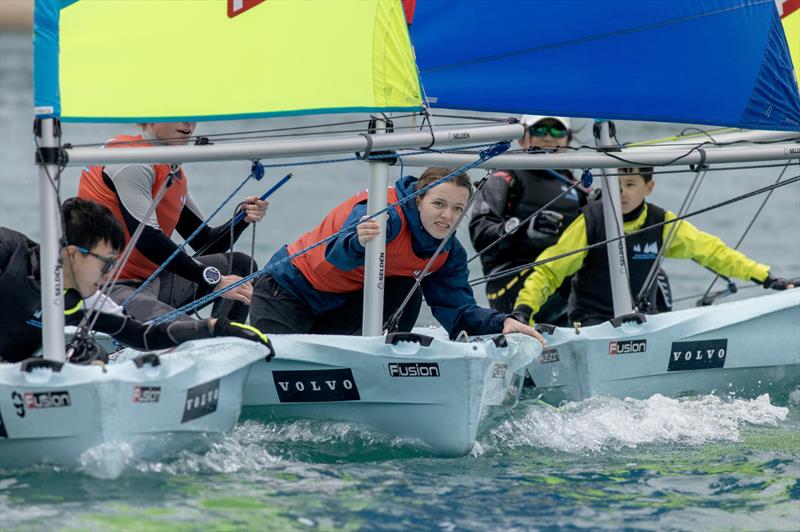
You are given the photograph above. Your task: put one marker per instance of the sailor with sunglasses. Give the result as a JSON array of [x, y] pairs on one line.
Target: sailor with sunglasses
[[94, 239], [508, 198]]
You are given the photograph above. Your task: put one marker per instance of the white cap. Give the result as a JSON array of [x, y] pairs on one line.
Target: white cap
[[529, 120]]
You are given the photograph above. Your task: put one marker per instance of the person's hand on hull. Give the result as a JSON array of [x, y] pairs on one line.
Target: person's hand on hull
[[225, 327], [779, 283], [515, 324]]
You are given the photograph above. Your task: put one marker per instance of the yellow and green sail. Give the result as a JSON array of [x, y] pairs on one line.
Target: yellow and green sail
[[790, 18], [133, 60]]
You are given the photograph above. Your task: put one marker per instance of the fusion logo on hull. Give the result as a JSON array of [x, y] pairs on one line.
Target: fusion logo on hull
[[201, 400], [146, 394], [414, 369], [309, 386], [39, 400], [627, 346], [702, 354], [550, 355]]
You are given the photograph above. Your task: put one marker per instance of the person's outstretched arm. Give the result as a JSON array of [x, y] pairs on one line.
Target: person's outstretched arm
[[546, 278]]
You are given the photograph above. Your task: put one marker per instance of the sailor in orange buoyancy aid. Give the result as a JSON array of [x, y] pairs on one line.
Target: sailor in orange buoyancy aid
[[321, 290], [128, 191]]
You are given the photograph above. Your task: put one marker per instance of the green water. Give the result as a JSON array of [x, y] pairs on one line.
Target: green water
[[732, 464]]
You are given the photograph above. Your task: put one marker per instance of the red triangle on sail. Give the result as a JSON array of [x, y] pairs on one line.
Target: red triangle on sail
[[237, 7]]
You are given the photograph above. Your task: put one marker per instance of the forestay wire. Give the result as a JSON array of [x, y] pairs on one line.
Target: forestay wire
[[641, 302], [585, 181], [493, 151], [747, 229]]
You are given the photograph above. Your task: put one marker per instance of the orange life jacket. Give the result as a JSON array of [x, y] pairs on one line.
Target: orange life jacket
[[93, 187], [322, 275]]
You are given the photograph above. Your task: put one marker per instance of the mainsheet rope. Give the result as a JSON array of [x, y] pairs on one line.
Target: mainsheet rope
[[485, 155], [256, 171]]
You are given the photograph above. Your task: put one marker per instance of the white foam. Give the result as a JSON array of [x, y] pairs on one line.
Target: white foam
[[603, 423]]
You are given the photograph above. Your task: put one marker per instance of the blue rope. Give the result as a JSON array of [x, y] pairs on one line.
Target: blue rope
[[257, 171], [493, 151]]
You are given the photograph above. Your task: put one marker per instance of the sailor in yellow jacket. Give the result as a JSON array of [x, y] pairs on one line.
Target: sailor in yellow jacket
[[590, 301]]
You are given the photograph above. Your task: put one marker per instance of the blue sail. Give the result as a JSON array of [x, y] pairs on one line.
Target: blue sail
[[721, 62]]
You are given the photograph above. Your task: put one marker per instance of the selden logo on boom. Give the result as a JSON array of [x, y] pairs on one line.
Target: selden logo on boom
[[627, 346]]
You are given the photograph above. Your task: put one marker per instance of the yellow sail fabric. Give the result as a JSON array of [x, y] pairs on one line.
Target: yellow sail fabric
[[134, 60], [791, 27]]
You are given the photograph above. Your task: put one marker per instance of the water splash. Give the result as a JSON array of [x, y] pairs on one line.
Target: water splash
[[107, 460], [603, 424]]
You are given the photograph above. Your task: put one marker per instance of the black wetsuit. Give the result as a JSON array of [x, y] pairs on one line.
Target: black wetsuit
[[518, 194], [20, 312]]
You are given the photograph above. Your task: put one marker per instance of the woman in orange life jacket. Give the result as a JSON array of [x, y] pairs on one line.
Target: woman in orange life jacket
[[321, 291], [128, 191], [511, 196]]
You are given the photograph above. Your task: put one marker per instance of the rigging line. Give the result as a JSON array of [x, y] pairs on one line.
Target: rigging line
[[236, 218], [715, 169], [105, 289], [695, 296], [503, 273], [188, 239], [393, 321], [673, 231], [523, 222], [474, 117], [749, 226], [216, 135], [581, 40], [485, 155]]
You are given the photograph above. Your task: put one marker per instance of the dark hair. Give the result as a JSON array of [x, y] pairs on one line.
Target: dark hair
[[645, 171], [436, 173], [86, 223]]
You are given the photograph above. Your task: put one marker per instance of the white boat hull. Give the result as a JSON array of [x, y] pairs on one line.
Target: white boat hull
[[139, 408], [434, 394], [746, 348]]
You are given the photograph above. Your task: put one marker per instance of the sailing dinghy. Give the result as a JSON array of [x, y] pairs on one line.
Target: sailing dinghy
[[433, 391], [103, 416], [742, 348], [408, 385], [66, 55]]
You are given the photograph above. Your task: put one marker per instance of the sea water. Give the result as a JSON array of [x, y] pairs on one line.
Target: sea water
[[660, 463]]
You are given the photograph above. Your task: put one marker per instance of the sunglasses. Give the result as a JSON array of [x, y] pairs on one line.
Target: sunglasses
[[541, 131], [108, 264]]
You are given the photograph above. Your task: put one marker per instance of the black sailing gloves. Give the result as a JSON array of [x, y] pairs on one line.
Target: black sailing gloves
[[546, 224], [779, 283], [225, 327], [543, 226], [522, 313]]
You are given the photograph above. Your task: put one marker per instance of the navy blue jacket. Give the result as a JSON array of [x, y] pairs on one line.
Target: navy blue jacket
[[447, 290]]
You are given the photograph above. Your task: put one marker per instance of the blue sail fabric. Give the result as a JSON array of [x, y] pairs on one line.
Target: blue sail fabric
[[720, 62]]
